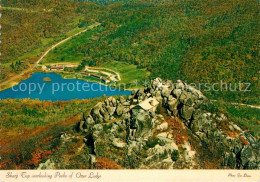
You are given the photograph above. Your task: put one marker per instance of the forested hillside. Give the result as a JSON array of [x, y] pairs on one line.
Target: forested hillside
[[196, 41], [105, 2], [29, 27]]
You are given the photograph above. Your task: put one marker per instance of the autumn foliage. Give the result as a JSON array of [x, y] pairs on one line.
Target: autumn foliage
[[244, 141], [105, 163], [178, 130]]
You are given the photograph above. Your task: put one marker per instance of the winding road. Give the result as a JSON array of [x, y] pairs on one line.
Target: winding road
[[44, 54]]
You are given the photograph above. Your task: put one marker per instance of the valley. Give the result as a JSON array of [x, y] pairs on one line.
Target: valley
[[137, 47]]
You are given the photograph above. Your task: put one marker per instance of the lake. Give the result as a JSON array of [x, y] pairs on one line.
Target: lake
[[58, 89]]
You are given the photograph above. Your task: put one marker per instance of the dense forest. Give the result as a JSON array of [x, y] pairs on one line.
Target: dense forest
[[196, 41]]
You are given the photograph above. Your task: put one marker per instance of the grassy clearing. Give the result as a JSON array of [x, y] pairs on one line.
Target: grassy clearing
[[66, 52], [129, 73]]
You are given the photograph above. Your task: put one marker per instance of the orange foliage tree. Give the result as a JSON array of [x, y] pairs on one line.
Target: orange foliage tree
[[105, 163]]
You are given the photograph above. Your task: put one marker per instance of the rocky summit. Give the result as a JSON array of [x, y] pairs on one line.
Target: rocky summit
[[166, 125]]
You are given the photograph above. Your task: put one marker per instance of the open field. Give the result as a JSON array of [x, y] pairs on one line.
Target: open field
[[129, 73], [66, 51], [69, 53]]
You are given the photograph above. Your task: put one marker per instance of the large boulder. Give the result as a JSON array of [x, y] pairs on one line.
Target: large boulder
[[186, 112], [245, 154], [119, 109], [95, 113], [172, 104]]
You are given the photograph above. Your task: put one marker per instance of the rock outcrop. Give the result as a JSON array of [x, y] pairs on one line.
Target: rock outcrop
[[167, 125]]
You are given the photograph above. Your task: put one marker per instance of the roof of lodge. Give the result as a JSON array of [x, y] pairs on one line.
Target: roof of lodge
[[147, 104]]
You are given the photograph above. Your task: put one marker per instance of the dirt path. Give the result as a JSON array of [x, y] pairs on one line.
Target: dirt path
[[252, 106], [45, 53], [240, 104]]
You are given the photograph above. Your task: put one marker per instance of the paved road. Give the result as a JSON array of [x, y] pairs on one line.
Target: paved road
[[45, 53]]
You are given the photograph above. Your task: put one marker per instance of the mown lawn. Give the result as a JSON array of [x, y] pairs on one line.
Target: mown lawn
[[129, 73]]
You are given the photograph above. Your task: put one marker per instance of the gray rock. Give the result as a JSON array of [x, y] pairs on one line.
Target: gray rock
[[113, 101], [186, 98], [92, 160], [118, 143], [194, 126], [129, 133], [104, 113], [197, 114], [111, 110], [95, 113], [186, 112], [81, 124], [163, 127], [140, 92], [179, 85], [177, 93], [195, 92], [250, 138], [126, 110], [246, 154], [98, 127], [158, 95], [122, 99], [156, 83], [47, 165], [140, 98], [166, 92], [119, 110], [126, 103], [89, 121], [172, 103]]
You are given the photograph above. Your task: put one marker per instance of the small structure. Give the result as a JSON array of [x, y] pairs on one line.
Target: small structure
[[96, 76], [57, 67], [99, 77], [148, 105]]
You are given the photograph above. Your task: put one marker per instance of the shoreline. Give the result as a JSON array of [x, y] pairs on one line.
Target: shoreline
[[62, 74]]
